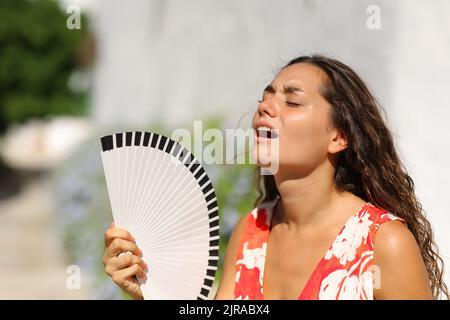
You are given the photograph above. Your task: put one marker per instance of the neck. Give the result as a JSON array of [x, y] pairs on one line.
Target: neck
[[306, 199]]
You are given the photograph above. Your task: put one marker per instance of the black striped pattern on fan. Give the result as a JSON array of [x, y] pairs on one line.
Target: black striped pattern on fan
[[161, 193]]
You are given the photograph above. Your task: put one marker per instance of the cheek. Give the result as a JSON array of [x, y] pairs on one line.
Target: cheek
[[304, 139]]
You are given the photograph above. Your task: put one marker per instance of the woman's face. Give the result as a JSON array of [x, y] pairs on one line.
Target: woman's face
[[293, 106]]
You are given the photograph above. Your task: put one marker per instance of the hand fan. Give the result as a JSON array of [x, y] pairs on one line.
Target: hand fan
[[162, 195]]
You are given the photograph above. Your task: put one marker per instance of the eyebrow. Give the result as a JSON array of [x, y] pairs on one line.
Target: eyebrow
[[289, 89]]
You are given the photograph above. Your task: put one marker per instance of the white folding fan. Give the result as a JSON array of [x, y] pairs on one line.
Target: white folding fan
[[162, 195]]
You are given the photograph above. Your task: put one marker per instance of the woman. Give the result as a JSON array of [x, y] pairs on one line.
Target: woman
[[338, 219]]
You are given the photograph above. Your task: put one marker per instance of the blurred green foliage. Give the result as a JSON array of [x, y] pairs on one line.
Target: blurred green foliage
[[37, 56]]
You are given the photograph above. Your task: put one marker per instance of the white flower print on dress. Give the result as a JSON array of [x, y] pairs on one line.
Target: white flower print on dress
[[254, 258], [353, 234], [267, 211], [389, 216], [339, 282], [343, 284], [254, 213], [366, 285], [238, 275], [331, 284]]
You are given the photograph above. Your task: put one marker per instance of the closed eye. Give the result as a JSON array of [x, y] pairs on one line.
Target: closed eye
[[292, 104]]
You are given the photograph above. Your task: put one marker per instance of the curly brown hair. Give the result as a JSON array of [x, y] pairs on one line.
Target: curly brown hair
[[370, 166]]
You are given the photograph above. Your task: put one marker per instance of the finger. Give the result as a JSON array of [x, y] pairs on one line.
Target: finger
[[119, 245], [125, 261], [120, 277], [112, 233]]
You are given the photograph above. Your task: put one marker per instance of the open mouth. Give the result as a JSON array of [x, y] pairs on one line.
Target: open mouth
[[266, 132]]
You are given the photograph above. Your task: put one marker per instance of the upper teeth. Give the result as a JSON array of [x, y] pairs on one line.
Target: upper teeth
[[262, 128]]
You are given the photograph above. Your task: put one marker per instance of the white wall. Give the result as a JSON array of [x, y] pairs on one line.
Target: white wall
[[174, 59], [420, 106]]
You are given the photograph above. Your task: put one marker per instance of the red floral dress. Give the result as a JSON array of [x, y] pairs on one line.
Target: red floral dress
[[345, 272]]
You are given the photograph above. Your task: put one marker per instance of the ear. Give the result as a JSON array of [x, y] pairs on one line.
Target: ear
[[338, 141]]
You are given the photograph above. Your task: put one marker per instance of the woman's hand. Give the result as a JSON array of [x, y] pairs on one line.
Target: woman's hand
[[123, 268]]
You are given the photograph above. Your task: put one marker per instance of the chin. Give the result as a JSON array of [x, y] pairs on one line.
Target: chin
[[265, 162]]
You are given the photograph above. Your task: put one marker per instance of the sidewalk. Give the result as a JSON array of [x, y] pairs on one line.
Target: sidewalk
[[32, 262]]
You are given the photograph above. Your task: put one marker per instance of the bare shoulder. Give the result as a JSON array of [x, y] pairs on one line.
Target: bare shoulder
[[233, 243], [393, 237], [402, 269], [226, 287]]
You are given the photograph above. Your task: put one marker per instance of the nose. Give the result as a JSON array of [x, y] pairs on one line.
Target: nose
[[267, 106]]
